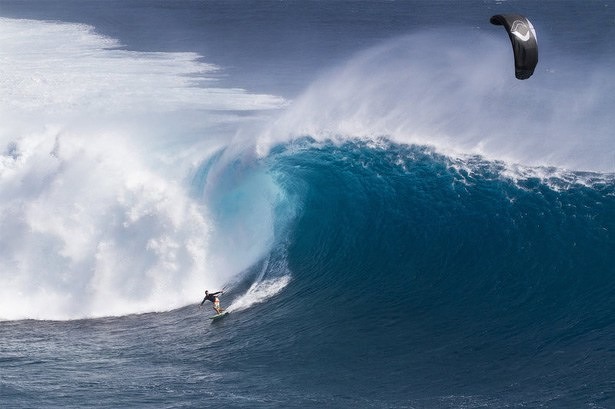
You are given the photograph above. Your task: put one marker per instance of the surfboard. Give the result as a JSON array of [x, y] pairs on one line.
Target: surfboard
[[218, 316]]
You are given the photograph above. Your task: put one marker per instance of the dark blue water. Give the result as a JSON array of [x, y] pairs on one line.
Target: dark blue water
[[393, 274]]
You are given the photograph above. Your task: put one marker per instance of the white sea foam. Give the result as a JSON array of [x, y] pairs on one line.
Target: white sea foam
[[96, 143], [89, 230]]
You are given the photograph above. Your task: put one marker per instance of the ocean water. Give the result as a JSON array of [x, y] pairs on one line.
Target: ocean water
[[396, 221]]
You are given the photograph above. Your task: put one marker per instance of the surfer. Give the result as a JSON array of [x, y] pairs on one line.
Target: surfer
[[213, 297]]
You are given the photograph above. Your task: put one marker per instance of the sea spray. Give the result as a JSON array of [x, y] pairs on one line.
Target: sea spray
[[453, 92], [96, 147]]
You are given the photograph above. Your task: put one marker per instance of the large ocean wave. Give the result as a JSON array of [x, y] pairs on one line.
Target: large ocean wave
[[130, 182], [416, 229], [408, 271]]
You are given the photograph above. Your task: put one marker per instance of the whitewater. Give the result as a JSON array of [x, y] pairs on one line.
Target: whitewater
[[93, 206], [395, 219]]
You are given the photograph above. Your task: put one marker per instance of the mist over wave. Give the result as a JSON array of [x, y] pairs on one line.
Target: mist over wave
[[454, 90]]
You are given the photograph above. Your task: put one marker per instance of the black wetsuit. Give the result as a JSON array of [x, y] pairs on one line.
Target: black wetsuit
[[211, 297]]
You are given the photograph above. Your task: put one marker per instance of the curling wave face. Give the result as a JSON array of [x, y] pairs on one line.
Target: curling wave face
[[403, 257]]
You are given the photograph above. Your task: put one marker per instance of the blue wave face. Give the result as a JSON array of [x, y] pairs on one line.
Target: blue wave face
[[402, 219], [400, 257]]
